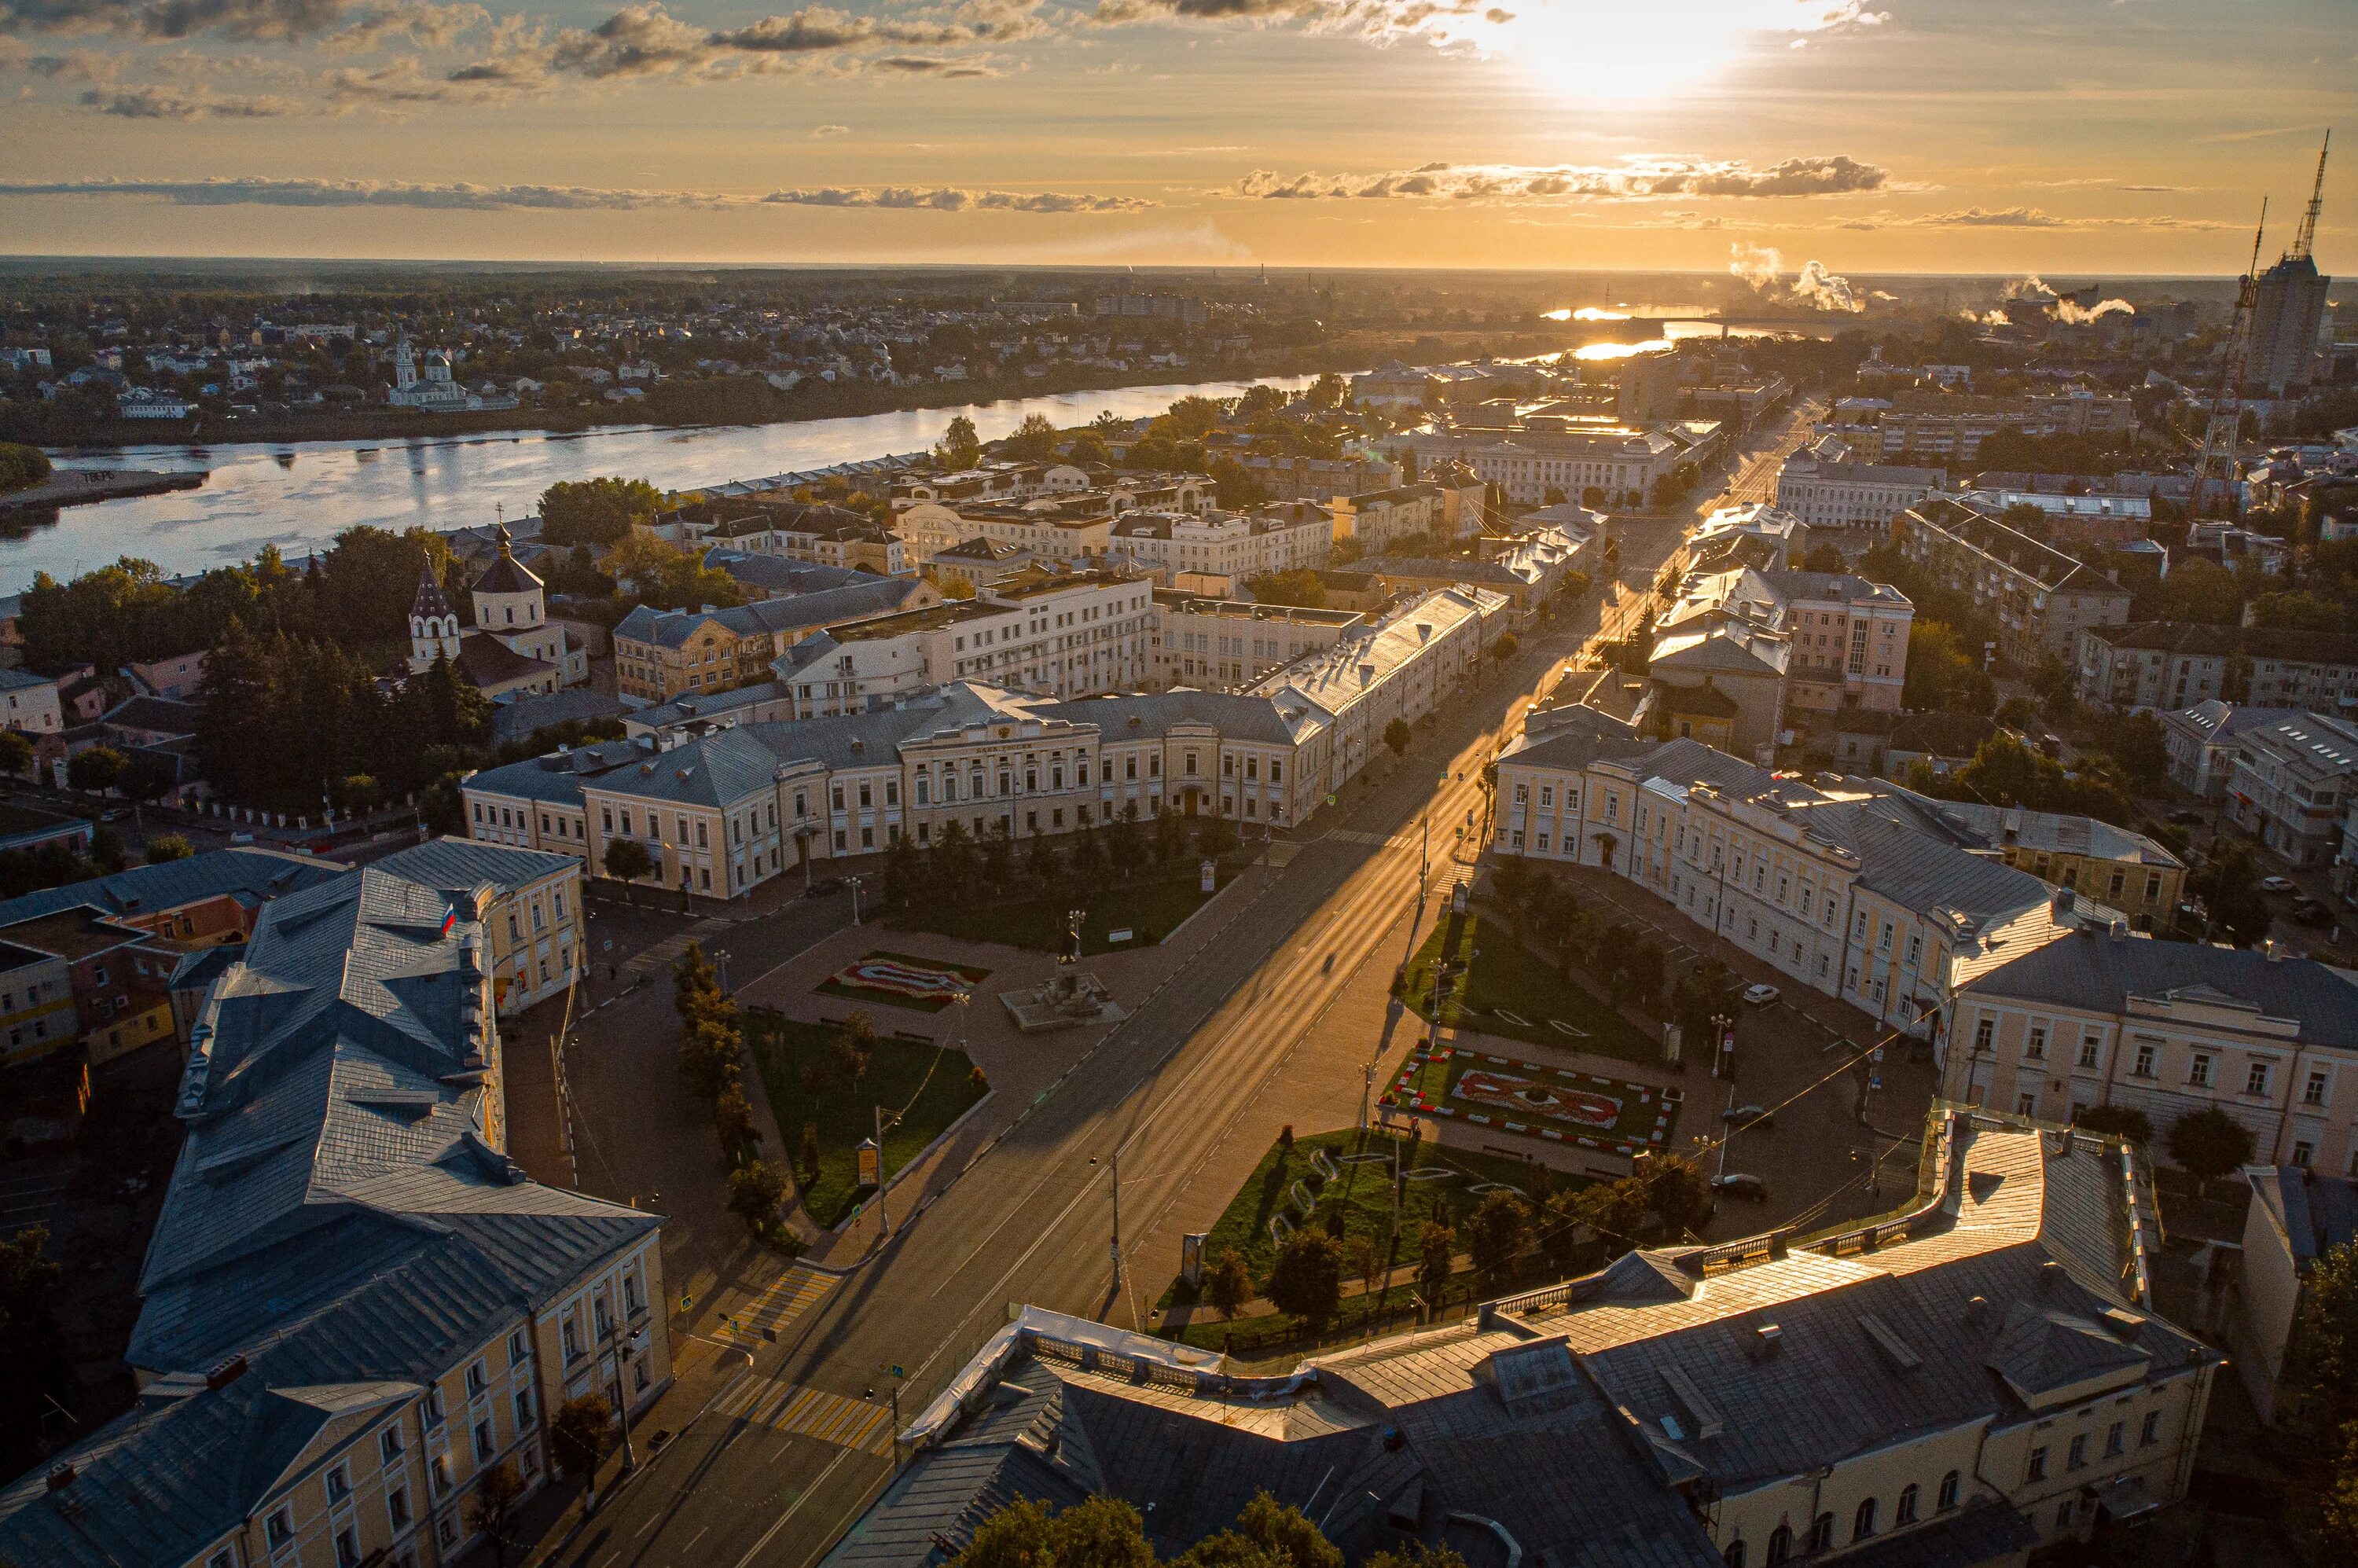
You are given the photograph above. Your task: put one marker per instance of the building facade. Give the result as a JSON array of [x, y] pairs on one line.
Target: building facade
[[1229, 644], [1850, 504], [2166, 1028], [2288, 781], [2041, 598], [661, 656], [2164, 664]]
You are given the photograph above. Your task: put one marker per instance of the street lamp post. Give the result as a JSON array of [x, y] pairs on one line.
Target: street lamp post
[[854, 884], [624, 1349]]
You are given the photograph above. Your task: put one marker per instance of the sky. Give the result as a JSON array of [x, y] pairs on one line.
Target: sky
[[2117, 137]]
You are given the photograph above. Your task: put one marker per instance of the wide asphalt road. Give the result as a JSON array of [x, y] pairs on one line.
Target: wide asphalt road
[[1032, 1222]]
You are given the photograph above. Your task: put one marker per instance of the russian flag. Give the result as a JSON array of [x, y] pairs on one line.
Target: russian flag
[[449, 918]]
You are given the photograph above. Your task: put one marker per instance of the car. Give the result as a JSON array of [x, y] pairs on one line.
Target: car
[[2276, 884], [2183, 818], [1741, 1184], [2308, 911], [825, 885], [1743, 1116], [1761, 996]]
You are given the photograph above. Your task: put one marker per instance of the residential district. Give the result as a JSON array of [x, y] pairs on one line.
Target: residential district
[[1720, 956]]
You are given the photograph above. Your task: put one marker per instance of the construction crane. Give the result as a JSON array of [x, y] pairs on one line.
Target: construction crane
[[2222, 431], [2308, 235]]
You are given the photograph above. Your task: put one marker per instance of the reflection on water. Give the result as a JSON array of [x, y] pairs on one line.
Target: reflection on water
[[1620, 351], [302, 494]]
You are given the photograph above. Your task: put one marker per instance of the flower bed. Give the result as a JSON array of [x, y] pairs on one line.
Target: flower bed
[[1535, 1101], [896, 980]]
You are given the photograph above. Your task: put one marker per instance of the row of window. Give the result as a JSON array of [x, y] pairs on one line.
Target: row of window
[[1865, 1521], [2145, 1061]]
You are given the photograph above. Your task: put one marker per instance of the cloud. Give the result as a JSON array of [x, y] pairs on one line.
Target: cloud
[[1763, 270], [1636, 178], [272, 21], [2019, 218], [257, 192], [163, 104], [820, 133]]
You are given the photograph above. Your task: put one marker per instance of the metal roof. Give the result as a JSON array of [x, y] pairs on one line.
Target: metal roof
[[2101, 972], [249, 873]]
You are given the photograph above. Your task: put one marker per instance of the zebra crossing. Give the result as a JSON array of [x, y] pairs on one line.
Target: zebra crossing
[[661, 955], [789, 1296], [812, 1413], [1379, 840]]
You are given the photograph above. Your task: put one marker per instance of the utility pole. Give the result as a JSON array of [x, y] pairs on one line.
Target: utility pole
[[1117, 1219], [883, 1216]]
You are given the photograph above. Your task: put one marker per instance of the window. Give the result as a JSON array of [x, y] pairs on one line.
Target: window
[[2064, 1511], [479, 1377], [522, 1410], [2076, 1456], [2198, 1076], [1985, 1033], [1821, 1533], [429, 1409], [2256, 1078], [519, 1348], [2090, 1046], [1906, 1512], [280, 1528], [1862, 1524], [1947, 1498], [388, 1444], [2151, 1433], [348, 1547], [2115, 1438], [340, 1484], [485, 1444], [2038, 1046], [2143, 1067], [2036, 1469], [396, 1507], [2313, 1092], [1734, 1555], [2302, 1152], [1781, 1545]]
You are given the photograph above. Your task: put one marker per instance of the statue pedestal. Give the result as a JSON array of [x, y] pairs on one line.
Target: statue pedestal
[[1073, 999]]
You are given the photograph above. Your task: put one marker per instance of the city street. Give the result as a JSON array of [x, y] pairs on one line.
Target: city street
[[1276, 1019]]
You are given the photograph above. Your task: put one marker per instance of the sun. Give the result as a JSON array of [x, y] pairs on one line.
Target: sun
[[1618, 52]]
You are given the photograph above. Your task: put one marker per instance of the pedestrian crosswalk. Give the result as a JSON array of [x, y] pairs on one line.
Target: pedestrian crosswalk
[[812, 1413], [1380, 841], [661, 955], [789, 1296]]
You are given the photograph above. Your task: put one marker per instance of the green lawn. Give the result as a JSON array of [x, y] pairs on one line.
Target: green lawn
[[1508, 991], [1149, 910], [1520, 1094], [847, 1114], [1363, 1189]]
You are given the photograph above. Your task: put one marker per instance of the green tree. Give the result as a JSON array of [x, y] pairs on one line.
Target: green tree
[[1436, 1248], [1306, 1279], [852, 1046], [1238, 487], [95, 770], [21, 466], [1089, 449], [578, 1437], [904, 870], [1099, 1531], [1499, 1234], [16, 754], [960, 448], [1034, 440], [1267, 1534], [1227, 1283], [732, 1118], [2118, 1121], [37, 1344], [1397, 736], [168, 846], [491, 1508], [1415, 1555], [1304, 588], [2228, 884], [2209, 1144], [627, 860], [1942, 675], [1328, 391], [755, 1190], [595, 510], [1677, 1190]]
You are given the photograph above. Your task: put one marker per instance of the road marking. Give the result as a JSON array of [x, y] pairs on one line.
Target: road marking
[[813, 1413], [789, 1296], [671, 947], [792, 1508]]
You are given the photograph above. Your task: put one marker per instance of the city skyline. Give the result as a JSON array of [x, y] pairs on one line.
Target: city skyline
[[2110, 138]]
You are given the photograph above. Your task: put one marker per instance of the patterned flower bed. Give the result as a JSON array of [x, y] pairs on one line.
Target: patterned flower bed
[[896, 980], [1535, 1101]]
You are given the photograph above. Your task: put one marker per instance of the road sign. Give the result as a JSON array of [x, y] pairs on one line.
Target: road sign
[[1875, 1081], [1878, 1054], [872, 1164], [1210, 872]]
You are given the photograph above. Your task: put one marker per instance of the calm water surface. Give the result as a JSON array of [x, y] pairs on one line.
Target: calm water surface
[[299, 494]]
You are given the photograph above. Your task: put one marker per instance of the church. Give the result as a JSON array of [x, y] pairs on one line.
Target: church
[[512, 650]]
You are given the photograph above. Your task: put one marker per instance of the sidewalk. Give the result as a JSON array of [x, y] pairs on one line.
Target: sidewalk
[[548, 1524]]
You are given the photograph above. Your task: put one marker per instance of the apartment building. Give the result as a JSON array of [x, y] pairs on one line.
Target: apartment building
[[660, 655], [2288, 782], [1853, 887], [723, 802], [1230, 644], [821, 534], [1067, 524], [1234, 544], [2199, 742], [1847, 503], [2166, 1028], [1377, 518], [1952, 427], [1980, 1375], [349, 1275], [1845, 638], [2168, 664], [1057, 632], [1595, 464], [2041, 598], [989, 483], [36, 1003], [2123, 870], [1300, 478]]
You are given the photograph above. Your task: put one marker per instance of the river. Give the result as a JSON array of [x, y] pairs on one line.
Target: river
[[300, 495]]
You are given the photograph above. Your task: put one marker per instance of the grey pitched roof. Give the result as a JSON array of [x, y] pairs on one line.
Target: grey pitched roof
[[1236, 714], [780, 574], [2318, 1213], [464, 864], [2282, 643], [251, 874], [849, 602], [2102, 972], [430, 599], [335, 1217], [520, 717], [158, 713]]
